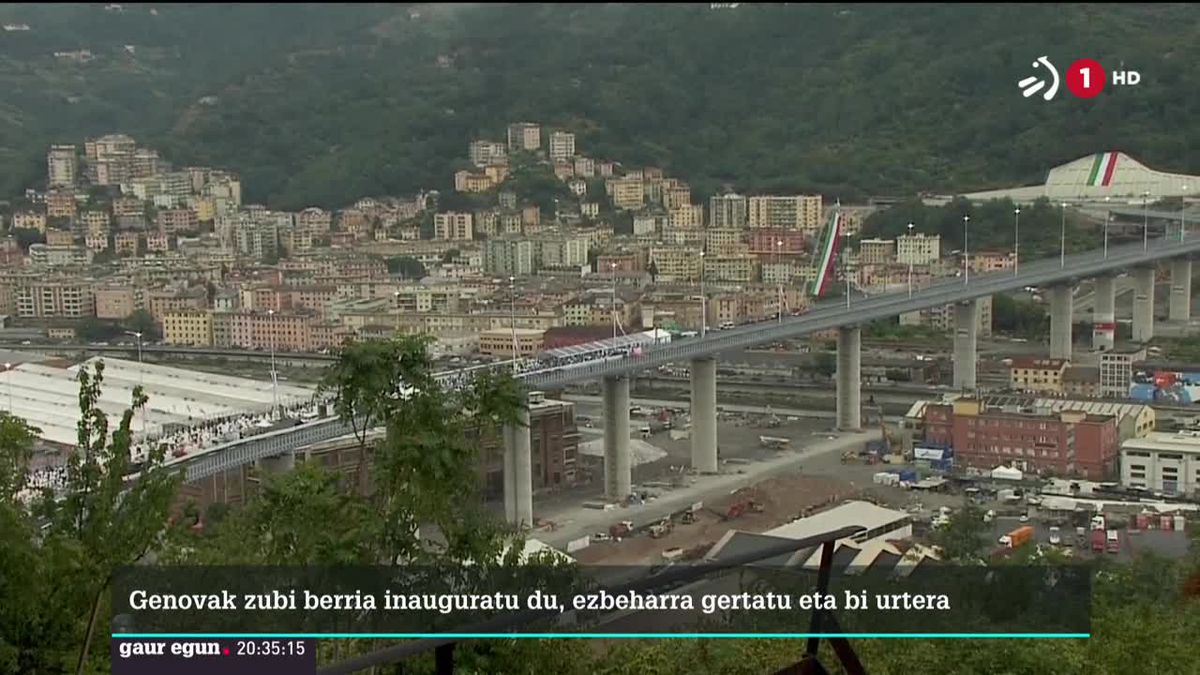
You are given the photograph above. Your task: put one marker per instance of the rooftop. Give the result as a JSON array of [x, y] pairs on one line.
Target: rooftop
[[1184, 442]]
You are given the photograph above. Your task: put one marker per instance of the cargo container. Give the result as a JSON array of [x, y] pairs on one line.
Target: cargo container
[[1017, 537], [1166, 522], [1098, 541]]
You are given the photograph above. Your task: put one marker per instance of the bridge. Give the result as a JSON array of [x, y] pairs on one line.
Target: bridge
[[1057, 274]]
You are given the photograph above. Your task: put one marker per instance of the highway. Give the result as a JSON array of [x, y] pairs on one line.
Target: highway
[[833, 314]]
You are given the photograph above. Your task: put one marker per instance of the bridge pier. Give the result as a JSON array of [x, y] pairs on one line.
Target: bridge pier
[[522, 472], [618, 482], [704, 415], [966, 330], [1061, 303], [1143, 304], [849, 378], [510, 476], [1180, 307], [1104, 314]]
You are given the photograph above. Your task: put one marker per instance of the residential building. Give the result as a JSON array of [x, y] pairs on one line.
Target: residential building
[[589, 209], [482, 153], [1062, 443], [649, 224], [876, 251], [585, 167], [524, 136], [1116, 371], [62, 166], [60, 204], [562, 146], [473, 181], [29, 220], [95, 221], [626, 193], [942, 318], [188, 328], [126, 243], [37, 299], [773, 242], [1037, 374], [157, 242], [498, 342], [160, 302], [1082, 381], [676, 263], [1163, 462], [60, 238], [564, 251], [918, 249], [797, 212], [96, 242], [317, 221], [281, 331], [258, 240], [177, 221], [728, 211], [733, 269], [453, 226], [991, 261], [59, 256], [510, 256], [687, 217], [679, 197], [116, 302]]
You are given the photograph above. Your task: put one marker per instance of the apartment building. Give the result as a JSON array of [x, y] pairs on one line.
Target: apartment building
[[687, 217], [159, 302], [126, 243], [797, 212], [733, 269], [626, 193], [453, 226], [59, 256], [728, 211], [585, 167], [918, 249], [473, 181], [188, 328], [941, 317], [177, 221], [317, 221], [724, 241], [1037, 374], [258, 240], [562, 146], [483, 153], [564, 251], [1116, 371], [876, 251], [769, 242], [498, 342], [35, 299], [281, 331], [524, 136], [114, 302], [676, 263], [511, 256], [991, 261], [95, 221], [649, 224], [61, 204], [29, 220], [62, 166]]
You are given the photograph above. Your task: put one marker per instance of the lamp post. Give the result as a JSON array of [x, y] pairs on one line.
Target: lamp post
[[274, 374], [141, 373], [703, 300], [778, 261], [846, 265], [612, 268], [1182, 211], [512, 319], [1107, 218], [910, 259], [1016, 241], [1145, 220], [1062, 247], [966, 250], [8, 376]]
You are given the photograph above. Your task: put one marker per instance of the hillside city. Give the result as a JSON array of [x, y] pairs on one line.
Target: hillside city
[[772, 366]]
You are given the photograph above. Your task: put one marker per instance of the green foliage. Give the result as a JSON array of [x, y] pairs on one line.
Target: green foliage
[[825, 363], [407, 267], [27, 236], [351, 101], [965, 538], [1020, 317], [893, 330], [140, 321], [58, 558]]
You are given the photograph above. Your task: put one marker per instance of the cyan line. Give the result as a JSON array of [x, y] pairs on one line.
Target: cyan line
[[594, 636]]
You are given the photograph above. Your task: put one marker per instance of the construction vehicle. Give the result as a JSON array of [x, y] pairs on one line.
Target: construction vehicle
[[739, 508], [687, 518], [774, 442], [621, 529], [1017, 537], [660, 530]]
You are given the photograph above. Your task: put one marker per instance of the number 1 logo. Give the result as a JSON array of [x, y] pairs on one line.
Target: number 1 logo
[[1086, 78]]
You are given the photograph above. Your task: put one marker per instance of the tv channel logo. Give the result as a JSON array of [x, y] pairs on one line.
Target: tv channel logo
[[1085, 78]]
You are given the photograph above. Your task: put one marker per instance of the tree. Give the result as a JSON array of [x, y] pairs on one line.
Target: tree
[[406, 267], [91, 329], [825, 363], [964, 538], [140, 321], [449, 256], [62, 553], [27, 236]]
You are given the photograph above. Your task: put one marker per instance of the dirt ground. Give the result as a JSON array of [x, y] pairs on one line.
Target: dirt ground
[[783, 498]]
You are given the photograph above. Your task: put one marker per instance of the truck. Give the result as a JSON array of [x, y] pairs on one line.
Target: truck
[[1112, 542], [1097, 541], [1055, 535], [1017, 537], [774, 442]]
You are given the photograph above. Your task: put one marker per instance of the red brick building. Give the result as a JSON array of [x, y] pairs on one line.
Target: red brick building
[[1067, 443], [554, 446]]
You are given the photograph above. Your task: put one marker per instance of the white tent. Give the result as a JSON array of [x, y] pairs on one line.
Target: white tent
[[1006, 473]]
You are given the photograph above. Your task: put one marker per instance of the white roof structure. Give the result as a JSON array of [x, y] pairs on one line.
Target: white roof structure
[[851, 513], [1007, 473], [48, 397], [1094, 178]]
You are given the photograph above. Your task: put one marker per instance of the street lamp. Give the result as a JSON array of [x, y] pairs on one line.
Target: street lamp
[[966, 250], [274, 374], [703, 300], [1145, 220], [1016, 241], [1182, 211], [1107, 219], [612, 269], [1062, 250], [512, 319], [778, 261], [8, 376], [846, 264], [910, 259], [141, 373]]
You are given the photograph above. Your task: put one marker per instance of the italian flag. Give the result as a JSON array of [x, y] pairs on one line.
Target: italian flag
[[1103, 166], [828, 254]]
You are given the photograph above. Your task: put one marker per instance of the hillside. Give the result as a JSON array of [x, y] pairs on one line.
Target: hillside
[[323, 104]]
